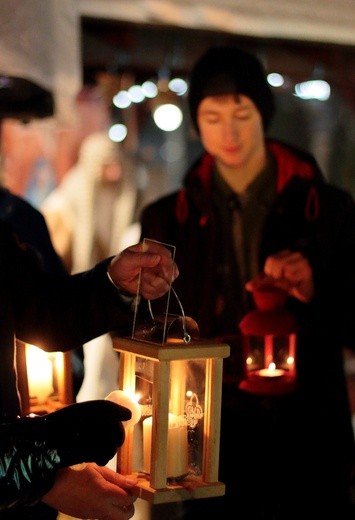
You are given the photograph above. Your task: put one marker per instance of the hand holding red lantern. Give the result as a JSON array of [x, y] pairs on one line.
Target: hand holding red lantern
[[289, 271]]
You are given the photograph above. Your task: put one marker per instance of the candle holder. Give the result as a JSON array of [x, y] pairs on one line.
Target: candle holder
[[45, 379], [176, 379], [269, 344]]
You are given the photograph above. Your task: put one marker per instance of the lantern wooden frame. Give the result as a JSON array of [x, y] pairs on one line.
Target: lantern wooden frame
[[155, 487]]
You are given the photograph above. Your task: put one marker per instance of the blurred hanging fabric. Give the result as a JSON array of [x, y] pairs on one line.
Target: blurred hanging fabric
[[39, 58]]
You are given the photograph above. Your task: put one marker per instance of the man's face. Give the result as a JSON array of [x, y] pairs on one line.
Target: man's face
[[231, 129]]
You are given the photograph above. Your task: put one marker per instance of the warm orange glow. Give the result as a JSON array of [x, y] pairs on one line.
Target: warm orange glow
[[39, 373]]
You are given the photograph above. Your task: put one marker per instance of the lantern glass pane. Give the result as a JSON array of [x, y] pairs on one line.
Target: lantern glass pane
[[195, 413], [185, 409], [263, 350], [282, 353]]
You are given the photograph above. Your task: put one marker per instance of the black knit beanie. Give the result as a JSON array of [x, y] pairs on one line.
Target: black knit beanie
[[229, 70]]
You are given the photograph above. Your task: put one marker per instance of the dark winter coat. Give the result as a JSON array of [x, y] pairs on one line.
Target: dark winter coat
[[56, 313]]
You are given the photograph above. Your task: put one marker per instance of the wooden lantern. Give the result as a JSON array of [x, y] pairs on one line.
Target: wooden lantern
[[176, 379], [174, 447]]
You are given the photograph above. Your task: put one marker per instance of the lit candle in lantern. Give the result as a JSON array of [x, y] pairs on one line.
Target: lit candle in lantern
[[39, 373], [271, 371], [177, 450]]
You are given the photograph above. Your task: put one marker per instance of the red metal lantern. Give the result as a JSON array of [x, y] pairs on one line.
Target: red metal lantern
[[269, 343]]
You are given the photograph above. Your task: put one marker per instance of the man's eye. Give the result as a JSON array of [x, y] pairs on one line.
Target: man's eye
[[212, 120], [243, 115]]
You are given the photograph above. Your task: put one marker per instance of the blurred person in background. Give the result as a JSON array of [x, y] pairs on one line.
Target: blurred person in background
[[87, 215]]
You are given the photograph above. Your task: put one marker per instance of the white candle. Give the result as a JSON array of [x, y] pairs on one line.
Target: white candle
[[271, 371], [177, 450], [122, 398]]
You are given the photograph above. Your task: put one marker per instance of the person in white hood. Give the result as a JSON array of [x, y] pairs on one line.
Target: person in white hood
[[87, 215]]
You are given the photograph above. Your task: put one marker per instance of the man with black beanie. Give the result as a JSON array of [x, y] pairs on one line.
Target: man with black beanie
[[253, 211], [218, 73]]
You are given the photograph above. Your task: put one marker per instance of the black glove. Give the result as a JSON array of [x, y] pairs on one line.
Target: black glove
[[83, 432], [33, 448]]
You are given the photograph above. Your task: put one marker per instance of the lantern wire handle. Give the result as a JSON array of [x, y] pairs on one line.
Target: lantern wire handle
[[187, 337]]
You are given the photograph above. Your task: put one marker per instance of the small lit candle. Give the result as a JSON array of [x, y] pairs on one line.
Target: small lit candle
[[177, 454], [271, 371]]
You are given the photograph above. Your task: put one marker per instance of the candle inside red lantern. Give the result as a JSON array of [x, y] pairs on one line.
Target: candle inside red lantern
[[271, 371]]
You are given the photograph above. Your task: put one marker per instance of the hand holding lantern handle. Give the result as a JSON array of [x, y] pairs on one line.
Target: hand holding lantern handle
[[151, 269], [289, 271]]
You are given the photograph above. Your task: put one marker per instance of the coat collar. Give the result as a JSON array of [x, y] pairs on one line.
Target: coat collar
[[291, 162]]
